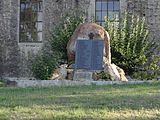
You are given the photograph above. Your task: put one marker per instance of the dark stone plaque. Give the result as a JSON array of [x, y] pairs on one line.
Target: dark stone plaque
[[97, 54], [89, 54], [83, 54]]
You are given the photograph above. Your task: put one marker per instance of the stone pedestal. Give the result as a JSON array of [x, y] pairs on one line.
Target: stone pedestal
[[82, 75]]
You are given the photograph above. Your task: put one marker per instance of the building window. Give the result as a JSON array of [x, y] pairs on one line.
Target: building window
[[31, 20], [108, 8]]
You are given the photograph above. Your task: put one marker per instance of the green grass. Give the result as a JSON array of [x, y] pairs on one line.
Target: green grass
[[112, 102]]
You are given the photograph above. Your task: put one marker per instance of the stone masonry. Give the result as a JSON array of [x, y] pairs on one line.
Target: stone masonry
[[54, 11], [150, 9], [8, 38], [15, 57], [153, 18]]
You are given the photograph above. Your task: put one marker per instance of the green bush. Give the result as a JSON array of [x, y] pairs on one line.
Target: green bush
[[45, 63], [131, 49], [62, 33]]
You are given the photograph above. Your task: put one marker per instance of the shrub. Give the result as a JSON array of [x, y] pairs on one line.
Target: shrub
[[45, 63], [131, 49], [62, 33], [43, 66]]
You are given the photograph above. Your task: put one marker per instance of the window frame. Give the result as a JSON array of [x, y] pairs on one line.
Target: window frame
[[36, 21], [101, 21]]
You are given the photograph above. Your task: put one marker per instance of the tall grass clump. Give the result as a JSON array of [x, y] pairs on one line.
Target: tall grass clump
[[131, 48]]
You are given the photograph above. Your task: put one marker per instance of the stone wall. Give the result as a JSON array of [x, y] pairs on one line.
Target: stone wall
[[137, 7], [150, 9], [5, 37], [10, 53], [15, 57], [54, 11], [123, 5], [153, 19], [1, 43]]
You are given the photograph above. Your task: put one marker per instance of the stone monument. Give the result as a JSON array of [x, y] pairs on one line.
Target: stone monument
[[89, 31], [89, 57], [89, 49], [92, 32]]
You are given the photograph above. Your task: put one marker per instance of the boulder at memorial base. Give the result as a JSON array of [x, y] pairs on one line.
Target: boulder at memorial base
[[113, 72], [122, 74], [70, 74], [60, 73]]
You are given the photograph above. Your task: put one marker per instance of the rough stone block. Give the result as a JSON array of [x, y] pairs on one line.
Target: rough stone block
[[82, 75]]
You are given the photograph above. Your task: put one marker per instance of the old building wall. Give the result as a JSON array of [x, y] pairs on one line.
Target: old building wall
[[153, 19], [123, 6], [1, 40], [137, 7], [8, 42], [54, 11], [150, 9], [15, 56]]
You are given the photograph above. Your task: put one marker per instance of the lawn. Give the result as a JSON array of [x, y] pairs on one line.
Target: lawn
[[112, 102]]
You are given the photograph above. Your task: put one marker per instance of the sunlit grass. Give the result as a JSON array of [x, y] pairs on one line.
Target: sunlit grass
[[112, 102]]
